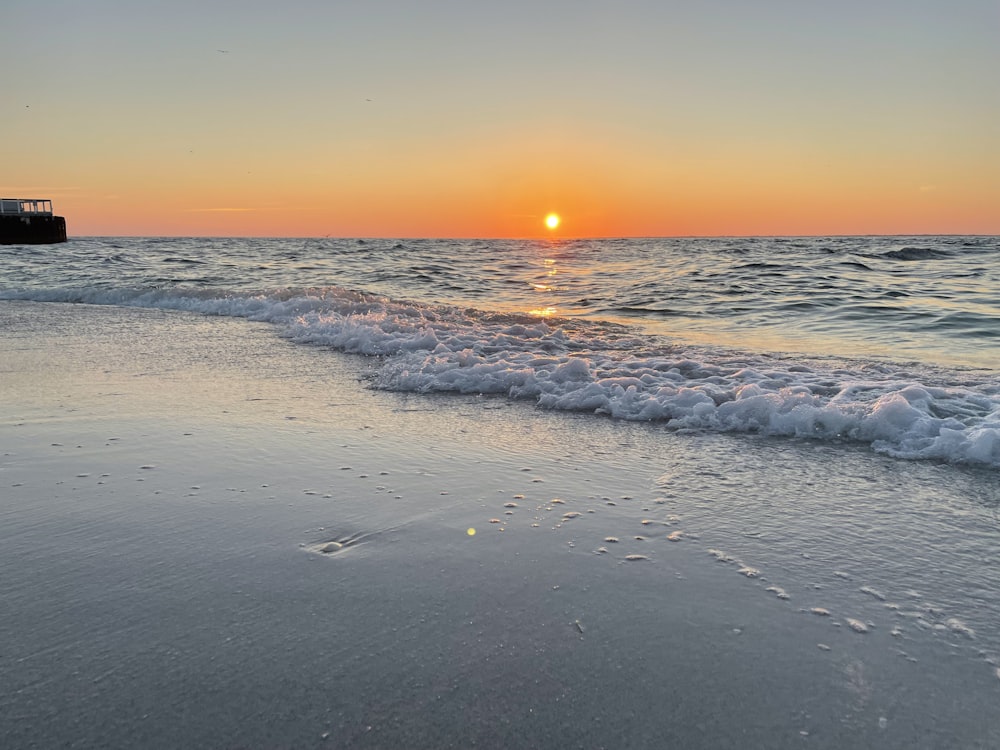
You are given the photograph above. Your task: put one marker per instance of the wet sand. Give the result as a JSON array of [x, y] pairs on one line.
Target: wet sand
[[208, 544]]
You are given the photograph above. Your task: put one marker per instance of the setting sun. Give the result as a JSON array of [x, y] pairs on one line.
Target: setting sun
[[552, 221]]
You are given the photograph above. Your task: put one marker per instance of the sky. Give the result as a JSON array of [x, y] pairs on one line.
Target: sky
[[459, 118]]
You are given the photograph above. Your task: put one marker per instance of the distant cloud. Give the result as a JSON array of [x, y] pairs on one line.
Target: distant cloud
[[227, 209], [20, 191], [927, 188], [219, 210]]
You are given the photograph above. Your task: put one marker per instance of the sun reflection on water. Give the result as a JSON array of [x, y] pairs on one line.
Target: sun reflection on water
[[545, 285], [543, 312]]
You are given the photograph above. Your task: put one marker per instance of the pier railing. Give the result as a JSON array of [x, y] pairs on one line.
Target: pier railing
[[25, 207]]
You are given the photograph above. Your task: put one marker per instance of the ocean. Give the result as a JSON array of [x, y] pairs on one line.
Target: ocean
[[735, 492], [890, 342]]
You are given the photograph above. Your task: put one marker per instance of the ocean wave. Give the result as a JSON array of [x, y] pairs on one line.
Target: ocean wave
[[605, 369], [917, 253], [830, 296], [576, 366], [902, 419]]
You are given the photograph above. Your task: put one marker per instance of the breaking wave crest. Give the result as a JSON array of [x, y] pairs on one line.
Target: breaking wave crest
[[607, 369]]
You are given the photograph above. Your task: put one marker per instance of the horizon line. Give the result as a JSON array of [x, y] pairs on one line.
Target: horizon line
[[535, 238]]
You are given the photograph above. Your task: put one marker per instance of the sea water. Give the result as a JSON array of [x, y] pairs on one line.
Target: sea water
[[890, 342], [816, 420]]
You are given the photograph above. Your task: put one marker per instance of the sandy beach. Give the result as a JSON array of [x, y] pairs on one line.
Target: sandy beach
[[210, 540]]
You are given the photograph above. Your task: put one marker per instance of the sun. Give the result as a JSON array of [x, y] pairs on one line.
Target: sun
[[552, 221]]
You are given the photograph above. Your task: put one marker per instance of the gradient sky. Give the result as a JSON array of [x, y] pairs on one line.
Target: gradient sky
[[458, 118]]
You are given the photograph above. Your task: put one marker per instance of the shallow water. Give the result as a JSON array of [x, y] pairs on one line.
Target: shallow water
[[890, 342], [929, 299], [171, 483]]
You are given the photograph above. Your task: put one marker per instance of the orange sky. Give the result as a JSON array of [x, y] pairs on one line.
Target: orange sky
[[382, 119]]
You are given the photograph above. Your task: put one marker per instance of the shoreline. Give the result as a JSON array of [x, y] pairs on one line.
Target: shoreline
[[171, 482]]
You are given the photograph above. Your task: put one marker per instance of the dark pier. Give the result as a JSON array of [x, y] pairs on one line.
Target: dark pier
[[29, 221]]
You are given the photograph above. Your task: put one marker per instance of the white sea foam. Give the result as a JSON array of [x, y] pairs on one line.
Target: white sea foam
[[559, 368], [590, 367]]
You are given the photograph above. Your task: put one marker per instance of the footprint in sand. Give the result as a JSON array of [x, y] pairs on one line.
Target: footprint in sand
[[338, 544]]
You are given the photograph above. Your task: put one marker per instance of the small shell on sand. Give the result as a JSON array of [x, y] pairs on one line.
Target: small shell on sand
[[494, 520], [957, 626], [635, 558], [872, 592], [721, 556], [611, 539], [856, 625], [571, 514], [510, 505], [675, 536], [821, 611]]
